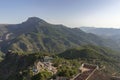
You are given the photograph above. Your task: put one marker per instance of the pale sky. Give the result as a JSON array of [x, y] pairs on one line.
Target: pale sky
[[72, 13]]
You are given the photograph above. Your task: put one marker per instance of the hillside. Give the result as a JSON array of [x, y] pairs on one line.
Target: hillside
[[13, 64], [36, 35], [18, 66], [110, 33], [94, 55], [102, 31]]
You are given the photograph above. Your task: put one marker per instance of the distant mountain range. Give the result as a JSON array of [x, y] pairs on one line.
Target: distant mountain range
[[36, 34], [110, 33]]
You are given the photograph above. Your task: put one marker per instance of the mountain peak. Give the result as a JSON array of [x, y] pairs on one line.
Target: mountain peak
[[35, 20]]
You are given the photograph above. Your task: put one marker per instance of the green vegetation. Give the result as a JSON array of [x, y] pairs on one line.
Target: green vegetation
[[94, 55], [19, 65], [110, 33], [66, 68], [13, 64], [42, 36], [44, 75], [89, 52], [70, 47], [67, 71], [1, 56]]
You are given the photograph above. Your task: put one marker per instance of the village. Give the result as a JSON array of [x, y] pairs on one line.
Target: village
[[86, 71]]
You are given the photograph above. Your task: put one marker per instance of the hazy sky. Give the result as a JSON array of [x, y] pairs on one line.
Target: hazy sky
[[72, 13]]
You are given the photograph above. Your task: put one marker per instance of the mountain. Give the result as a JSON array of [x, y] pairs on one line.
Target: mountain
[[24, 44], [94, 55], [110, 33], [91, 51], [36, 35]]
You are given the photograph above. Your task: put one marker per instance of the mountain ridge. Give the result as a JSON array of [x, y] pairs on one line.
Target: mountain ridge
[[110, 33], [35, 34]]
